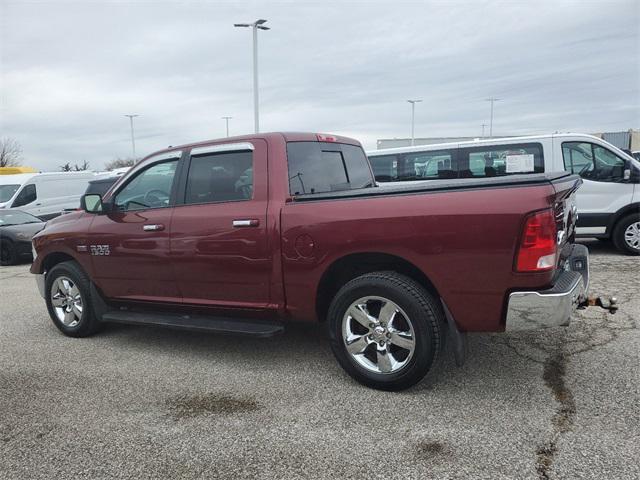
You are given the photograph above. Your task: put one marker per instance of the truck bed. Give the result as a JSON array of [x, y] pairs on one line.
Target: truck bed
[[442, 185]]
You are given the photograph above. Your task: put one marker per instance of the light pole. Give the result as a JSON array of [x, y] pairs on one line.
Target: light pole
[[133, 139], [491, 99], [226, 119], [483, 125], [413, 118], [258, 24]]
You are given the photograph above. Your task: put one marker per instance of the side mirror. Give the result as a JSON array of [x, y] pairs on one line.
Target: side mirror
[[92, 203], [626, 174]]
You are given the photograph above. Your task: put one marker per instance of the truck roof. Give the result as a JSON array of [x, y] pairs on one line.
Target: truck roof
[[268, 136]]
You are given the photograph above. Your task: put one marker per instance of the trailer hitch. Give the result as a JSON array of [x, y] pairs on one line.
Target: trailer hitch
[[610, 305]]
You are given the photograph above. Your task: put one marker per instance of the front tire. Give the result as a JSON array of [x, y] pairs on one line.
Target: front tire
[[626, 234], [68, 298], [386, 330]]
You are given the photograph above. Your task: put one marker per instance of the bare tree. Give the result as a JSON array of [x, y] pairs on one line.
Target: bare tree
[[10, 152], [120, 163], [75, 168], [82, 167]]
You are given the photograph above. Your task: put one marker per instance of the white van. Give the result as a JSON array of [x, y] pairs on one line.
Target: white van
[[44, 195], [608, 201]]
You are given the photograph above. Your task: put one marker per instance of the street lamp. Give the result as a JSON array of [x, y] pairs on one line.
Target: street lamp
[[491, 99], [413, 118], [226, 119], [133, 140], [258, 24], [483, 125]]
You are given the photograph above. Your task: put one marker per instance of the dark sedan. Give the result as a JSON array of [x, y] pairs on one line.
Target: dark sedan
[[17, 228]]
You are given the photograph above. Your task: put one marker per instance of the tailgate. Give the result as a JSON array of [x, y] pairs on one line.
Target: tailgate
[[566, 213]]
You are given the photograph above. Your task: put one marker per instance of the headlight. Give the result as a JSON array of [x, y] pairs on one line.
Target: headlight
[[23, 236]]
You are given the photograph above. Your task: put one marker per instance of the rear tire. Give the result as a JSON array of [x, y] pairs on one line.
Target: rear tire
[[626, 234], [68, 298], [8, 255], [386, 330]]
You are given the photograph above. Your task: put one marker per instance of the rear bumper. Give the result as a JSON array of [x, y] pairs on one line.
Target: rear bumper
[[552, 307]]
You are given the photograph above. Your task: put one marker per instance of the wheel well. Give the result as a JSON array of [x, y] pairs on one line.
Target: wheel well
[[623, 213], [55, 258], [347, 268]]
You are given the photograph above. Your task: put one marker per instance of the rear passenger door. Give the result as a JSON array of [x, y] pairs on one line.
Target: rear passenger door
[[219, 239]]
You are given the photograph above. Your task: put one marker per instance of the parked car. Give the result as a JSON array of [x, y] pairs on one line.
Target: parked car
[[608, 201], [242, 234], [45, 195], [101, 185], [17, 228]]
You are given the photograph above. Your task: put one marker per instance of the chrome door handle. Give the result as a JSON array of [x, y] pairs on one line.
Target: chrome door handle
[[253, 222], [153, 228]]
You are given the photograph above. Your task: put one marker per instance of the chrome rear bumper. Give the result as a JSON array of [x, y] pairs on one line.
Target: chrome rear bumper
[[552, 307]]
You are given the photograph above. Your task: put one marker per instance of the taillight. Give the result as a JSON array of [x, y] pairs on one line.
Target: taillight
[[538, 246], [326, 138]]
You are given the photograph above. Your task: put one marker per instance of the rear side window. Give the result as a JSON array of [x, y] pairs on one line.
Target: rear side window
[[318, 167], [428, 165], [501, 160], [385, 167], [220, 177], [26, 196]]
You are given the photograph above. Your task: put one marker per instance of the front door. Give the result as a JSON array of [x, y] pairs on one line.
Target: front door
[[219, 241], [129, 247]]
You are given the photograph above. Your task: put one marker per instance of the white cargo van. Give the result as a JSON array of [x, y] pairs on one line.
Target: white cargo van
[[44, 195], [608, 201]]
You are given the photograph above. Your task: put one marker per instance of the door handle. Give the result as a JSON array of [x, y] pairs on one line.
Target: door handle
[[253, 222], [153, 228]]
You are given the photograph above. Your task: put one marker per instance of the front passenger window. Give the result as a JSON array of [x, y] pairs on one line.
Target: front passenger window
[[592, 162], [151, 188], [26, 196]]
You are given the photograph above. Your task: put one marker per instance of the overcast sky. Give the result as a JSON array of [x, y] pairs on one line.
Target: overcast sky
[[70, 71]]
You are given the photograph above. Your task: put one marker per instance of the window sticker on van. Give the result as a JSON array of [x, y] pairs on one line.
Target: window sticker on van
[[519, 163]]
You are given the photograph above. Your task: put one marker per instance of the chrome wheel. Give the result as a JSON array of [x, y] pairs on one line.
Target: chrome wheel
[[632, 235], [66, 301], [378, 335]]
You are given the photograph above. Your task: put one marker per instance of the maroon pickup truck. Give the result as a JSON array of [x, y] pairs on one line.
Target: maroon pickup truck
[[243, 234]]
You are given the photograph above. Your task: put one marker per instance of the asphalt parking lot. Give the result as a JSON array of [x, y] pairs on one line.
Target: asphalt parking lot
[[141, 402]]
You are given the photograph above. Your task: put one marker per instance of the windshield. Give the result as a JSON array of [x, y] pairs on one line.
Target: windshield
[[16, 217], [7, 191]]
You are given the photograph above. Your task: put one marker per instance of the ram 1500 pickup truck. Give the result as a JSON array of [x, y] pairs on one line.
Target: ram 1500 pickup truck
[[243, 234]]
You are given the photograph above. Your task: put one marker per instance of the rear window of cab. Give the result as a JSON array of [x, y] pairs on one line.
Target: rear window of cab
[[320, 167]]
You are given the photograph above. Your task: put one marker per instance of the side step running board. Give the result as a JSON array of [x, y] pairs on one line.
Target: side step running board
[[227, 325]]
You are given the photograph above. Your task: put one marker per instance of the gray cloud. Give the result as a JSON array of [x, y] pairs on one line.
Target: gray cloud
[[70, 71]]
